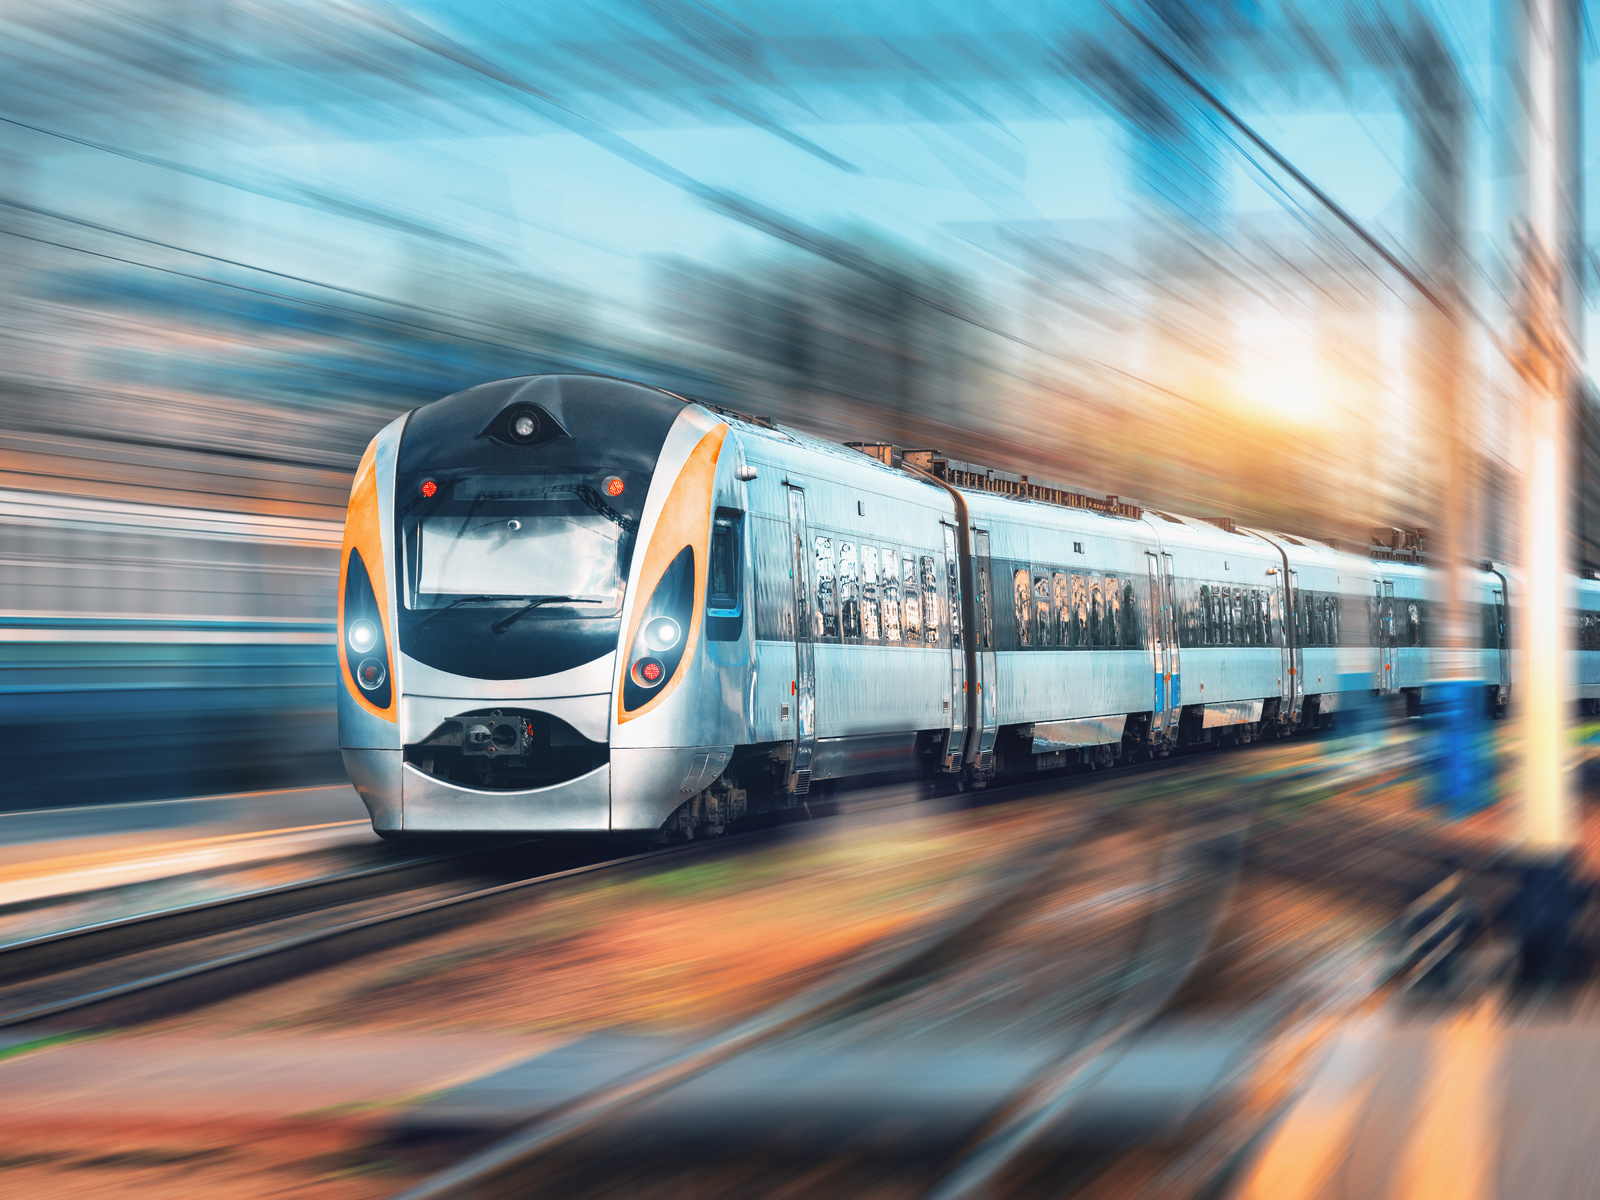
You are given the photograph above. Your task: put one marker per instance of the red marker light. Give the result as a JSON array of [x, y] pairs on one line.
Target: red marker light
[[614, 486], [651, 671], [429, 489]]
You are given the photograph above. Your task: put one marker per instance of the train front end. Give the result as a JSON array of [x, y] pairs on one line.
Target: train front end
[[524, 575]]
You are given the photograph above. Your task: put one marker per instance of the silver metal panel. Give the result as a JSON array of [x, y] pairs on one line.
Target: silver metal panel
[[876, 689], [707, 763], [592, 677], [589, 715], [839, 757], [1050, 736], [1238, 712], [695, 710], [645, 783], [358, 728], [1219, 674], [386, 452], [771, 702], [583, 804], [376, 775], [1043, 685]]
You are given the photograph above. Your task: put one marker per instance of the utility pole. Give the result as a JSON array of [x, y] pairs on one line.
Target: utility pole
[[1435, 98], [1547, 362]]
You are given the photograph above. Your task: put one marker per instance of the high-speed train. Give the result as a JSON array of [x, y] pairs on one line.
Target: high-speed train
[[572, 603]]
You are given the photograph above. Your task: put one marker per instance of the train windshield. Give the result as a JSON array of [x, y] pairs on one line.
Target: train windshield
[[556, 539]]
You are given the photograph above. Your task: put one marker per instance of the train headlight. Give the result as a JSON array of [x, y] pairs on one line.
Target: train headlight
[[662, 633], [365, 654], [371, 674], [660, 644], [648, 672], [523, 427]]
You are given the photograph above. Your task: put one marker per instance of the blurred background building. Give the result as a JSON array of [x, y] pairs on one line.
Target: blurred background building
[[1075, 242]]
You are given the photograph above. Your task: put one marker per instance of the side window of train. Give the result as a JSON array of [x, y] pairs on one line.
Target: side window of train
[[871, 630], [933, 615], [1061, 600], [774, 586], [849, 593], [889, 587], [1413, 623], [952, 589], [1022, 586], [825, 618], [1097, 632], [1043, 619], [1132, 637], [724, 586], [910, 601], [1080, 611], [1113, 614], [984, 607]]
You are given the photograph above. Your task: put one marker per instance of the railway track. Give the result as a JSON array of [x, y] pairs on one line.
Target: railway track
[[139, 968], [1027, 930], [699, 1119], [143, 967]]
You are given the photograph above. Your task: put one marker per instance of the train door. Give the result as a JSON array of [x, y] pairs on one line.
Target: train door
[[804, 685], [956, 706], [984, 633], [1386, 639], [1159, 716], [1280, 610], [1174, 651], [1295, 639], [1502, 642]]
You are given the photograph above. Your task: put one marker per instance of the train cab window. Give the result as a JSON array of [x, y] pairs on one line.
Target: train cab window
[[849, 593], [889, 597], [724, 591], [911, 614]]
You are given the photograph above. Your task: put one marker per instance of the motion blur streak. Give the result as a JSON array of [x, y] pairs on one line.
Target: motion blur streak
[[236, 238]]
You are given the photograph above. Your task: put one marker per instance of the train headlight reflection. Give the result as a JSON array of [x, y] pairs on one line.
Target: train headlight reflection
[[362, 636], [662, 633]]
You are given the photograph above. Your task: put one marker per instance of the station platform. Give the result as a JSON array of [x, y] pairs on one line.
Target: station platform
[[52, 853], [1489, 1103]]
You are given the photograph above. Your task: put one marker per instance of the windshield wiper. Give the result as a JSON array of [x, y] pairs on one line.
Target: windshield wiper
[[432, 617], [506, 623]]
